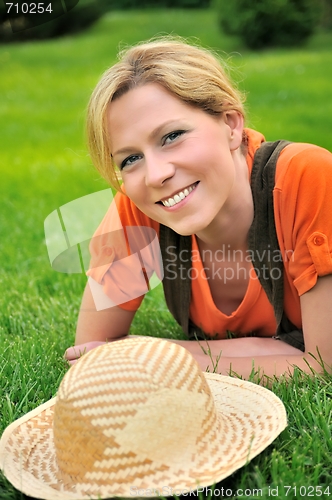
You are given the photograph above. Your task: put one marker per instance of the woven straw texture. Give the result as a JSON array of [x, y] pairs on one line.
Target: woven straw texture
[[138, 414]]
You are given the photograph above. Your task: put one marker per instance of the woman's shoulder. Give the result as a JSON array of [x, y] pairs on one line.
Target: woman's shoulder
[[296, 159], [303, 164], [304, 153]]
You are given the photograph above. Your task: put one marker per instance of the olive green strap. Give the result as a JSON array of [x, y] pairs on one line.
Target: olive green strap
[[263, 241], [176, 255]]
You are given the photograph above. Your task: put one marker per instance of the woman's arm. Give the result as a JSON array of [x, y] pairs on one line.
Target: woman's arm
[[96, 327], [272, 357], [316, 310], [242, 356]]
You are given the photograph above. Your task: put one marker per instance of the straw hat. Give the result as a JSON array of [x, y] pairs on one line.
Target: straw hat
[[138, 417]]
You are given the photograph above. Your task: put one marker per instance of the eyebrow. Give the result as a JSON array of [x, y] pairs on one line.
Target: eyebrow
[[152, 135]]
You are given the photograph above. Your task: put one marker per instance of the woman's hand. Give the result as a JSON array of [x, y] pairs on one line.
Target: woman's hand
[[72, 354]]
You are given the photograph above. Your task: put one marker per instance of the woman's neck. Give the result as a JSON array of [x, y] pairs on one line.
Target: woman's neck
[[231, 226]]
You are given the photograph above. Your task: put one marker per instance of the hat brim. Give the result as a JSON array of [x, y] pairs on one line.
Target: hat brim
[[251, 417]]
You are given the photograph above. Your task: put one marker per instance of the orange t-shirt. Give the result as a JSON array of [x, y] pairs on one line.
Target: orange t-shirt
[[303, 217]]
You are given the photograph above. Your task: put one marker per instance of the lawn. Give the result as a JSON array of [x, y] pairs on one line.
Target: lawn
[[44, 89]]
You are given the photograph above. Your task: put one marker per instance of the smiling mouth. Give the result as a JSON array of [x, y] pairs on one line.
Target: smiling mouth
[[181, 195]]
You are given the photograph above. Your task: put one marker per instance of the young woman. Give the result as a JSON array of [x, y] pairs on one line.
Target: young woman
[[167, 118]]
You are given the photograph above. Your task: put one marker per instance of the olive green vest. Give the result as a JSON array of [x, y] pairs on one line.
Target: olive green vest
[[262, 236]]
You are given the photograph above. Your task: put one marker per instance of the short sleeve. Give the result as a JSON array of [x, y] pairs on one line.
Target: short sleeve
[[303, 201], [125, 254]]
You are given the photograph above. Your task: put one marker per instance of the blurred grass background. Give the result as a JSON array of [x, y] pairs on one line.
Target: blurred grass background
[[44, 90]]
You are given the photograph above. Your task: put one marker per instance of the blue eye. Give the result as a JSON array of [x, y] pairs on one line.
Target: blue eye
[[167, 139], [130, 160]]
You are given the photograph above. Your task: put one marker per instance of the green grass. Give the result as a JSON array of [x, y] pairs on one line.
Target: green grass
[[44, 89]]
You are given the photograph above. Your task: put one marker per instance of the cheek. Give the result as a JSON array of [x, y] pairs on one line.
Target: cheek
[[211, 149], [129, 185], [135, 189]]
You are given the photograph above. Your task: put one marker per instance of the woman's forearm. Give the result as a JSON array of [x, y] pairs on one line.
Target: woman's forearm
[[266, 367], [100, 326], [240, 347], [244, 356]]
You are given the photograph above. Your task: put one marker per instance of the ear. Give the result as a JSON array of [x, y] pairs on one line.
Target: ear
[[234, 120]]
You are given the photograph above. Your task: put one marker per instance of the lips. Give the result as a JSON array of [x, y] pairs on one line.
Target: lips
[[181, 195]]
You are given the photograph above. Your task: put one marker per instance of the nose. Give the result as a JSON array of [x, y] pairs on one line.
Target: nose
[[157, 170]]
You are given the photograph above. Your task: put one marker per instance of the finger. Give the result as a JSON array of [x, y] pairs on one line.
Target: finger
[[73, 353]]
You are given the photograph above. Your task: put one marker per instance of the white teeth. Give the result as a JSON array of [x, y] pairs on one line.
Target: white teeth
[[179, 196]]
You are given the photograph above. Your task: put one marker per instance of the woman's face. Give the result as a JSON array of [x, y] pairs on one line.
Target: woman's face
[[177, 162]]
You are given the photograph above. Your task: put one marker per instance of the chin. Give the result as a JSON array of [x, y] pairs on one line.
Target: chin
[[188, 229], [183, 233]]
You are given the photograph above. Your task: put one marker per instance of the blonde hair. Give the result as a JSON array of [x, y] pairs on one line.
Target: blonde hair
[[191, 73]]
